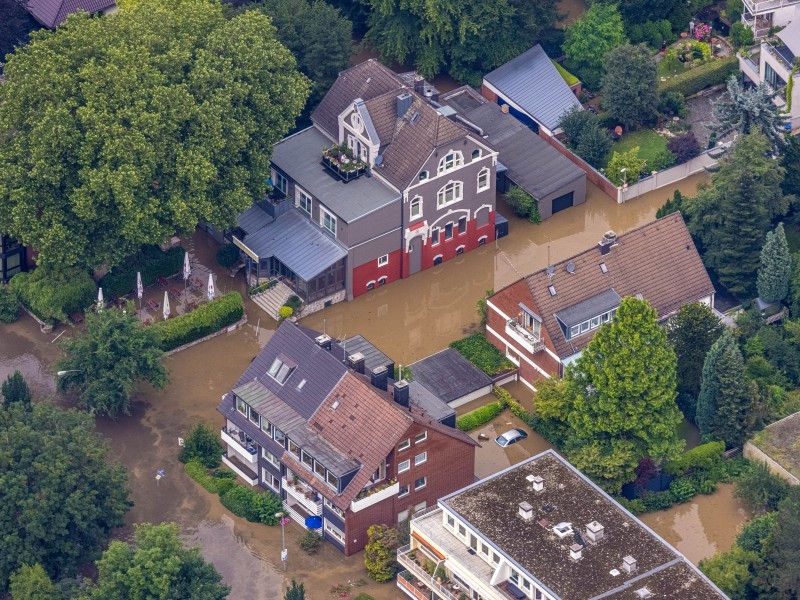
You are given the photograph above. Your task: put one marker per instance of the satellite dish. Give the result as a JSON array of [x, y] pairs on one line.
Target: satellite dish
[[379, 160], [551, 271], [571, 267]]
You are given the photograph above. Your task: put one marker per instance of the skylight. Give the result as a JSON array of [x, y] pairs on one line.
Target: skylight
[[551, 289], [280, 370], [603, 268]]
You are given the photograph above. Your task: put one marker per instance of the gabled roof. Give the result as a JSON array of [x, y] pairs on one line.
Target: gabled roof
[[52, 13], [448, 375], [532, 82], [657, 261]]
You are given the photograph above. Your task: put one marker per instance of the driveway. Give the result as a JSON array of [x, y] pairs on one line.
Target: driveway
[[491, 458]]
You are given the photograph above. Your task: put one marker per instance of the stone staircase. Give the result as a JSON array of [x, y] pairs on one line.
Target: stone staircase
[[272, 299]]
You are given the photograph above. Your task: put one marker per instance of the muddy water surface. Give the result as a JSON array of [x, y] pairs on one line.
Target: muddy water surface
[[24, 348]]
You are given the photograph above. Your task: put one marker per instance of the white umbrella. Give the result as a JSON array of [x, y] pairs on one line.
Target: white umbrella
[[166, 306], [100, 299], [186, 268], [210, 286], [139, 286]]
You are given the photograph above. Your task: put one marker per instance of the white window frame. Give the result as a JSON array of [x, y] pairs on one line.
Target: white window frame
[[420, 459], [452, 160], [322, 215], [476, 154], [424, 483], [334, 531], [243, 404], [404, 466], [270, 458], [415, 210], [382, 280], [484, 174], [423, 175], [383, 260], [404, 445], [304, 199], [420, 437], [454, 189], [280, 182], [269, 478], [402, 494]]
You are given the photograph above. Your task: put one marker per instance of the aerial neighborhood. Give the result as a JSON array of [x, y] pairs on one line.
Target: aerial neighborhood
[[385, 300]]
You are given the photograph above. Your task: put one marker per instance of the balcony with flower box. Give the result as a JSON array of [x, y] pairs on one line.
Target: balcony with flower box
[[526, 338], [341, 161], [244, 446], [374, 493], [303, 494]]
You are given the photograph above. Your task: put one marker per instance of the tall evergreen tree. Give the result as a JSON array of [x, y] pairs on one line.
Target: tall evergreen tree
[[630, 91], [724, 403], [692, 332], [776, 267], [783, 550], [745, 110], [730, 218], [15, 389]]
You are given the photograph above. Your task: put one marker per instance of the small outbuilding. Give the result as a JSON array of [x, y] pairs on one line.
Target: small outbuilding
[[778, 445], [451, 377]]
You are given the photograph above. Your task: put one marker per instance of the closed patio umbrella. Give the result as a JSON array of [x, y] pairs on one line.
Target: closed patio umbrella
[[187, 270], [139, 287], [166, 306], [100, 301], [210, 286]]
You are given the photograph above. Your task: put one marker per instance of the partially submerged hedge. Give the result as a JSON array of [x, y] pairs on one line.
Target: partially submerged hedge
[[479, 416], [695, 80], [481, 353], [54, 294], [150, 261], [202, 321]]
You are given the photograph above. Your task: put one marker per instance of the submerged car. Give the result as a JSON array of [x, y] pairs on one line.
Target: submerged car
[[510, 437]]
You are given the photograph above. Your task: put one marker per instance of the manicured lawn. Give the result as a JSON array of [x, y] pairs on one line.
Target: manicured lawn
[[649, 142], [565, 75], [662, 69]]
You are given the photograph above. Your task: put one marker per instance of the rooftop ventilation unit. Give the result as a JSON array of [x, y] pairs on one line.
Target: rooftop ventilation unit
[[575, 551], [643, 593], [356, 362], [563, 529], [595, 531], [537, 483], [628, 564], [525, 511]]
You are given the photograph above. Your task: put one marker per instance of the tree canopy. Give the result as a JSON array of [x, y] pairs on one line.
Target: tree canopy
[[60, 497], [692, 332], [775, 270], [783, 550], [15, 389], [590, 38], [745, 110], [104, 363], [630, 92], [120, 132]]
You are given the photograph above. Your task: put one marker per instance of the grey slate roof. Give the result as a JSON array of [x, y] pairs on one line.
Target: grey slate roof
[[530, 162], [373, 357], [300, 157], [52, 13], [253, 219], [591, 307], [448, 375], [298, 243], [426, 400], [533, 83], [790, 35], [268, 405]]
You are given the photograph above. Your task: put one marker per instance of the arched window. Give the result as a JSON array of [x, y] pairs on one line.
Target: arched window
[[371, 285], [482, 240], [476, 154], [423, 175], [450, 193], [483, 180], [437, 260], [451, 160], [460, 250], [416, 208], [382, 280]]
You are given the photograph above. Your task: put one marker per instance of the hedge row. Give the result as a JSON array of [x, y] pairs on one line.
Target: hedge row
[[481, 353], [704, 456], [479, 416], [150, 261], [202, 321], [701, 77], [54, 294], [212, 481]]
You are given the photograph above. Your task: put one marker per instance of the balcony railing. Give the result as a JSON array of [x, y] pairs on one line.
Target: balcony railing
[[784, 62], [420, 574], [244, 446], [248, 477], [523, 336], [376, 496], [762, 6], [341, 161], [305, 495]]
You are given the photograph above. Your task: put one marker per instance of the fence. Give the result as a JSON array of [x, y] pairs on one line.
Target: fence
[[667, 177]]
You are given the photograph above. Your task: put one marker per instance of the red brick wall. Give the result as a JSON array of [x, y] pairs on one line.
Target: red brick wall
[[488, 94], [370, 271], [596, 178]]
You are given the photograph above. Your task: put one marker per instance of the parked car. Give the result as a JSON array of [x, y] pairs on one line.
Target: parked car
[[510, 437]]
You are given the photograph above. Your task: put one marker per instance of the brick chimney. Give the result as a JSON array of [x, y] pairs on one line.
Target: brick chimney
[[356, 362], [401, 392], [379, 377]]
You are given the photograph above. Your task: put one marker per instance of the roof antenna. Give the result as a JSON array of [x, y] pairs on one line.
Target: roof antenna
[[324, 326], [551, 270]]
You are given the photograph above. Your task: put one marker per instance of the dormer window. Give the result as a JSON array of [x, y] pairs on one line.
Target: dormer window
[[451, 160], [281, 369]]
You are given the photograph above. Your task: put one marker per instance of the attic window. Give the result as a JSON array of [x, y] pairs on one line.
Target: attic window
[[476, 154], [551, 289], [281, 369], [603, 268], [423, 175]]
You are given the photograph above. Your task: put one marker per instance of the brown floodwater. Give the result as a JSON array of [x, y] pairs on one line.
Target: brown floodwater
[[700, 528]]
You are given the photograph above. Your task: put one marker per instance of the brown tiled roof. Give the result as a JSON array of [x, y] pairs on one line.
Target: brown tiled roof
[[658, 261], [52, 13], [366, 81]]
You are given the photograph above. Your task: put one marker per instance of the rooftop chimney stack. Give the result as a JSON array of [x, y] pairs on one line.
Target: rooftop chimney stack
[[403, 104], [525, 511], [537, 483], [379, 377], [609, 240], [575, 551], [323, 341], [356, 362], [595, 531], [401, 392], [628, 564]]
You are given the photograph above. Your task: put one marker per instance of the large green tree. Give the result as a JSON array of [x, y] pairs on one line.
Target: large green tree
[[745, 110], [782, 551], [379, 553], [731, 217], [466, 37], [630, 93], [120, 132], [589, 39], [60, 497], [155, 565], [15, 389], [775, 270], [104, 363], [724, 403], [621, 397], [32, 583], [692, 332]]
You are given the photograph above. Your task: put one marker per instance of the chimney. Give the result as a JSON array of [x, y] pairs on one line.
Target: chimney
[[537, 481], [356, 362], [504, 108], [403, 104], [401, 392], [323, 341], [379, 377], [594, 531], [609, 239], [628, 564], [575, 551], [525, 511]]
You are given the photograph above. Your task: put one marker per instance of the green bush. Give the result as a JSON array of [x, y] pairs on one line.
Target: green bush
[[261, 288], [286, 312], [202, 321], [310, 541], [510, 402], [741, 35], [523, 204], [196, 470], [9, 308], [269, 505], [53, 294], [228, 255], [243, 502], [150, 261], [481, 353], [636, 506], [672, 103], [294, 302], [682, 489], [703, 456], [479, 416], [202, 443], [663, 160], [657, 501], [705, 75]]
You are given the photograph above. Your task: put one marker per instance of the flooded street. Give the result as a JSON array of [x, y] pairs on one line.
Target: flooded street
[[700, 528]]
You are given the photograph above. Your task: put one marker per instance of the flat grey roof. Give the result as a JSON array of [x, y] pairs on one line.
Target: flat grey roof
[[448, 375], [300, 157], [373, 357], [268, 405], [253, 219], [423, 398], [298, 243], [591, 307], [533, 83]]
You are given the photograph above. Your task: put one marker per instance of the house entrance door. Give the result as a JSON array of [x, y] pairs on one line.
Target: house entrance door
[[415, 255]]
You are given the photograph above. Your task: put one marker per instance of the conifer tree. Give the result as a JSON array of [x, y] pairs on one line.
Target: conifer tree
[[745, 110], [783, 550], [776, 267], [15, 389], [692, 332]]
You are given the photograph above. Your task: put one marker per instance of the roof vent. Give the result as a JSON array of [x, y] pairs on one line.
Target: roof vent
[[575, 551], [356, 362], [323, 341], [595, 531], [628, 564], [643, 593], [525, 511], [537, 482], [609, 239], [563, 529], [403, 104], [571, 267]]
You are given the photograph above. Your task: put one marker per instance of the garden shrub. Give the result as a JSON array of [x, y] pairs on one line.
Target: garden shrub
[[150, 261], [479, 416], [741, 35], [9, 308], [196, 470], [202, 321], [202, 443], [262, 287], [657, 501], [684, 146], [286, 312], [682, 489], [269, 505], [310, 541], [695, 80], [636, 506], [703, 456], [54, 294], [672, 103], [523, 204], [663, 160], [242, 502], [652, 33], [294, 302], [481, 353], [227, 255]]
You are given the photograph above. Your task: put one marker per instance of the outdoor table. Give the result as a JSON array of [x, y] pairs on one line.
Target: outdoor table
[[162, 282], [152, 304], [175, 293]]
